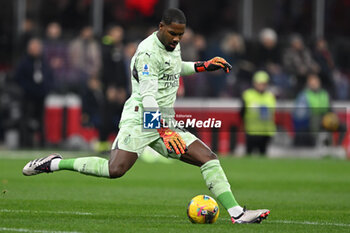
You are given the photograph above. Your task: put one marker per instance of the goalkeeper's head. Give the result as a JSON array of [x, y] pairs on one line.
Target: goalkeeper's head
[[171, 28]]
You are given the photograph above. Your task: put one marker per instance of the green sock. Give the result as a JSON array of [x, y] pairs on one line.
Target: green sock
[[94, 166], [217, 183]]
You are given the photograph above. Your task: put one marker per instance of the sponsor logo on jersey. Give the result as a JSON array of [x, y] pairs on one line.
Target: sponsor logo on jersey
[[171, 80], [170, 77], [151, 119]]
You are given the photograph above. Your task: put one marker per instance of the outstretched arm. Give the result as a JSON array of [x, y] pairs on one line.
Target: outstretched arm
[[215, 63], [189, 68]]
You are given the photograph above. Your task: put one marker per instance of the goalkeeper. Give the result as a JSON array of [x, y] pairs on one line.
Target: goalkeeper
[[155, 71]]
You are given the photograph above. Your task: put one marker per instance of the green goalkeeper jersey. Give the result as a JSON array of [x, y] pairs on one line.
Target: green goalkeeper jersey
[[154, 72]]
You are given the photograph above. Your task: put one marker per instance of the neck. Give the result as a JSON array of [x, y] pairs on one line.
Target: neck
[[158, 36]]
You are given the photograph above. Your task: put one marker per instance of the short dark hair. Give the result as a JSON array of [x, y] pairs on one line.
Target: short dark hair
[[173, 15]]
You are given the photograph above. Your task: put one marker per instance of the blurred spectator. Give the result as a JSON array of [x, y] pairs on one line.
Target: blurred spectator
[[191, 86], [114, 72], [111, 113], [201, 44], [56, 52], [34, 76], [28, 32], [268, 54], [189, 51], [267, 57], [297, 61], [324, 59], [342, 85], [85, 56], [129, 51], [311, 105], [114, 81], [258, 114], [10, 111], [93, 101], [200, 88], [234, 51], [341, 48]]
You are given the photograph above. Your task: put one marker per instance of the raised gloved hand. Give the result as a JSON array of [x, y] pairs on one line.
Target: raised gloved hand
[[213, 64], [173, 141]]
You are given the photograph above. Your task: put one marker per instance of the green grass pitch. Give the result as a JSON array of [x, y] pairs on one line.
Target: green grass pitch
[[303, 196]]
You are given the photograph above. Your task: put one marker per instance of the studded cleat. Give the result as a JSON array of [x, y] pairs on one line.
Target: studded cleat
[[40, 165], [251, 216]]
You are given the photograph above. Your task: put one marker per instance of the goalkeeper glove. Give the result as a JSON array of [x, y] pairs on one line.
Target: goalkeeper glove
[[172, 140], [213, 64]]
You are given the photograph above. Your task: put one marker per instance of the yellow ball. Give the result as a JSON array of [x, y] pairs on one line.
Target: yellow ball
[[330, 121], [203, 209]]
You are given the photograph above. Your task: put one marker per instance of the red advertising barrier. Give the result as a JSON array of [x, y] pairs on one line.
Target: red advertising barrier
[[63, 120], [54, 107], [62, 117], [73, 106]]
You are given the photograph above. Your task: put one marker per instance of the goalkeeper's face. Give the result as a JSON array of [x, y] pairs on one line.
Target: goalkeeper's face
[[170, 35]]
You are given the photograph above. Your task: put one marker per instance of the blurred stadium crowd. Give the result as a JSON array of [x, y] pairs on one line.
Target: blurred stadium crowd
[[50, 59], [71, 64]]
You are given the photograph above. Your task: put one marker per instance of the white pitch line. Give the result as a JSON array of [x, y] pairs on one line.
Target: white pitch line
[[310, 223], [273, 221], [166, 216], [31, 230], [43, 211]]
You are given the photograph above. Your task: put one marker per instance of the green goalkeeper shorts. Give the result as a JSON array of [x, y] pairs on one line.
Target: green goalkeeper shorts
[[136, 139]]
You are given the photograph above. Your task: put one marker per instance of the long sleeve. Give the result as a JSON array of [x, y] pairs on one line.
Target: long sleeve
[[147, 67], [187, 68]]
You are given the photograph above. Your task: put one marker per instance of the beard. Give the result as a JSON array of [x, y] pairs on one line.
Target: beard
[[170, 48]]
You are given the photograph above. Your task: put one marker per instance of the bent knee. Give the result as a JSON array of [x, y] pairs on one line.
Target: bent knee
[[116, 172], [208, 157], [212, 156]]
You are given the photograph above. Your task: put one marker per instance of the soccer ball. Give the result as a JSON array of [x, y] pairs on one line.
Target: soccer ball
[[330, 121], [203, 209]]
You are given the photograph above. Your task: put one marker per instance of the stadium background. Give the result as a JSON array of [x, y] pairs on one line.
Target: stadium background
[[304, 195], [83, 102]]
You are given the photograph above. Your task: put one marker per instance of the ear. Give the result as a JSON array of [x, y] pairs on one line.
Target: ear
[[161, 25]]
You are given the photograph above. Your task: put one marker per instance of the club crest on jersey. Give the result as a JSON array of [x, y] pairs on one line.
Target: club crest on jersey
[[145, 70]]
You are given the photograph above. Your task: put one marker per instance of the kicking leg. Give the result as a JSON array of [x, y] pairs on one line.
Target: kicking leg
[[120, 162], [200, 155]]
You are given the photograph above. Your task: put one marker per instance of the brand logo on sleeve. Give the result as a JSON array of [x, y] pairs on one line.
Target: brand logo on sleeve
[[145, 70]]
